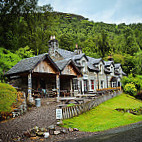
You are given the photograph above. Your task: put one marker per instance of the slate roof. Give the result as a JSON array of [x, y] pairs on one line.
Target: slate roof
[[28, 64], [108, 63], [93, 60], [107, 71], [92, 67], [123, 73], [79, 56], [117, 65], [65, 53], [62, 63]]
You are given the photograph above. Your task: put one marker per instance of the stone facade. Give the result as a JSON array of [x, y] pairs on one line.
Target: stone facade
[[96, 73]]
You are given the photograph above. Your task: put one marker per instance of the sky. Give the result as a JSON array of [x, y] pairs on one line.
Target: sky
[[107, 11]]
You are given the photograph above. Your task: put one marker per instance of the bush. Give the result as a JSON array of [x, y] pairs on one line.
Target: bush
[[137, 81], [7, 97], [130, 89]]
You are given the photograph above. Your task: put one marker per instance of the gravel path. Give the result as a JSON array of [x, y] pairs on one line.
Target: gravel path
[[41, 117]]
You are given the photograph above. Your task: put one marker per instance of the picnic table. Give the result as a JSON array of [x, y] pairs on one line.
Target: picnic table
[[67, 100]]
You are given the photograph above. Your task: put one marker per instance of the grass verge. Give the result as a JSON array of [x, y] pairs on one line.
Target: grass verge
[[105, 116]]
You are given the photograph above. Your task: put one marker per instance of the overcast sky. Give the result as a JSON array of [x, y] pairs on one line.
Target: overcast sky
[[108, 11]]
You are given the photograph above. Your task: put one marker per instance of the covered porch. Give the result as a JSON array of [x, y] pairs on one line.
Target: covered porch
[[40, 76]]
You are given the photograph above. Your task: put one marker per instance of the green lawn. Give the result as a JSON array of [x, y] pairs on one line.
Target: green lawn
[[140, 76], [105, 116]]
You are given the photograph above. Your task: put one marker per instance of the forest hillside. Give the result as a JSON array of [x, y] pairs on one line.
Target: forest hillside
[[25, 29]]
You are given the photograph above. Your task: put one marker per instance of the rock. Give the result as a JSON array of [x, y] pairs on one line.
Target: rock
[[27, 134], [51, 127], [64, 131], [46, 134], [35, 128], [75, 129], [70, 130], [17, 139], [56, 132], [60, 122], [33, 134], [43, 130], [40, 133]]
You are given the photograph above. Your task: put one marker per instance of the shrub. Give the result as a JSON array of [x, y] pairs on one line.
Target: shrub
[[130, 89], [137, 81], [7, 97]]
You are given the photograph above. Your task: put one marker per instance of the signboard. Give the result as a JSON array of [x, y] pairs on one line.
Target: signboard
[[58, 113]]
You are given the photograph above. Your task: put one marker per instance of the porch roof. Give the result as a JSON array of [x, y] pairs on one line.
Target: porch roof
[[28, 64], [63, 63]]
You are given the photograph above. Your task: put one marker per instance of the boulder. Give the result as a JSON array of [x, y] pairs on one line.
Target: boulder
[[64, 131], [60, 122], [70, 130], [75, 129], [46, 134], [56, 132]]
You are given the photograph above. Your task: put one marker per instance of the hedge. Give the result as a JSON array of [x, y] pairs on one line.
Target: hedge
[[7, 97]]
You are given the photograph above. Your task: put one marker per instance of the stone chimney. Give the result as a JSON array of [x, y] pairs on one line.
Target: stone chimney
[[53, 45], [77, 50], [110, 58]]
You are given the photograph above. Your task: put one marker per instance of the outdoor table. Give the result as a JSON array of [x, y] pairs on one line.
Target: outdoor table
[[90, 96], [66, 100]]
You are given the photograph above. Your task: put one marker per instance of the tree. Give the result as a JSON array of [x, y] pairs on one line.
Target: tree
[[67, 41], [25, 52], [131, 45], [103, 44], [11, 12], [7, 61], [138, 62]]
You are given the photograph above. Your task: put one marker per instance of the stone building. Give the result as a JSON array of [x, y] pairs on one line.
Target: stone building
[[65, 70], [96, 73]]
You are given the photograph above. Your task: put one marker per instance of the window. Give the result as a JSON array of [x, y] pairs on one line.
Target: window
[[113, 84], [75, 84], [102, 84], [92, 84]]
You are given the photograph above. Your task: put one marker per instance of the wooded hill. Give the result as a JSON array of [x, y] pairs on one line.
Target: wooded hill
[[26, 31]]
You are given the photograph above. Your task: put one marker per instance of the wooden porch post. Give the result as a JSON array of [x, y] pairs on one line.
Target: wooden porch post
[[83, 86], [58, 85], [30, 98], [71, 86]]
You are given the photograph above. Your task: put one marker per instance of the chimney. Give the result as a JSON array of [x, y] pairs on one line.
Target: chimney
[[51, 37], [53, 44], [76, 45], [110, 58], [77, 50]]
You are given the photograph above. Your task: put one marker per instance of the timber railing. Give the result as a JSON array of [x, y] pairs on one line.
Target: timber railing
[[109, 89], [69, 112]]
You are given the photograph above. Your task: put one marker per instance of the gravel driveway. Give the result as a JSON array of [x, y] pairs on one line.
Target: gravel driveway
[[41, 117]]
